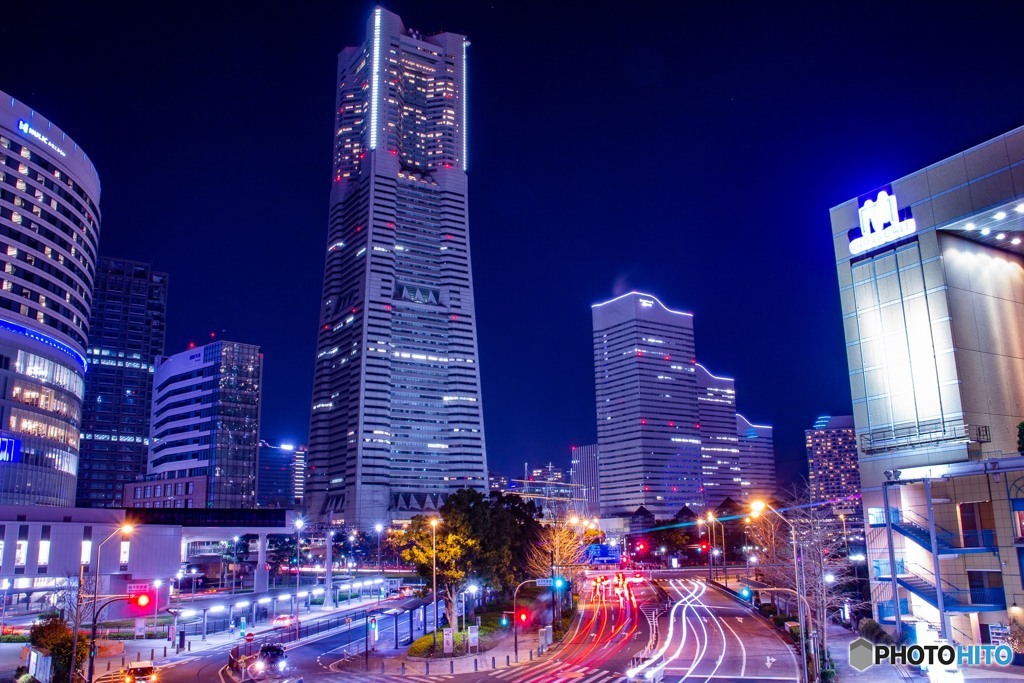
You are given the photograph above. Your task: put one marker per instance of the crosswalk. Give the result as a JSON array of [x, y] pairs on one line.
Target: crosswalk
[[557, 672]]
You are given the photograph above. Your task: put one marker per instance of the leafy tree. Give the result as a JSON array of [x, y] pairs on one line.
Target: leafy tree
[[1020, 437], [53, 635], [451, 544], [1016, 637]]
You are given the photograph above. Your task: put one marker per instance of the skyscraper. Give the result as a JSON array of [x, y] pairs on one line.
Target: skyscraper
[[276, 468], [585, 474], [832, 467], [126, 335], [205, 429], [667, 428], [397, 421], [648, 432], [49, 232]]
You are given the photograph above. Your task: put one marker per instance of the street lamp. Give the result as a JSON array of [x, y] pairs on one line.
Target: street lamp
[[846, 539], [234, 567], [433, 559], [156, 602], [299, 523], [124, 529], [6, 586], [192, 571], [756, 508]]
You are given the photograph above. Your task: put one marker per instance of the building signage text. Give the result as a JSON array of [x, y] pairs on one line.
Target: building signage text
[[29, 130], [880, 223], [10, 450]]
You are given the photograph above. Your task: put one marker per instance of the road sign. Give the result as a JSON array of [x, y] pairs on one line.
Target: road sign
[[544, 582], [474, 636], [249, 637]]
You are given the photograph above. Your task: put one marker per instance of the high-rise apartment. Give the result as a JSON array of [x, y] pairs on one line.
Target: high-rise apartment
[[668, 433], [49, 232], [126, 335], [205, 429], [931, 280], [397, 421], [832, 468]]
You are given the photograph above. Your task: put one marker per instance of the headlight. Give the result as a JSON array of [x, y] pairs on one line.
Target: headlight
[[260, 666], [281, 665]]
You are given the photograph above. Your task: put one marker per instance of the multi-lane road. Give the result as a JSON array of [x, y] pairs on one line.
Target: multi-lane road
[[697, 634]]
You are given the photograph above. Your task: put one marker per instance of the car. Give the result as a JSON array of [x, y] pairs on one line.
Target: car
[[285, 621], [271, 661], [140, 672]]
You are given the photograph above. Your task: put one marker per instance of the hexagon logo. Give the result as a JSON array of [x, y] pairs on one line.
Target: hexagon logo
[[862, 654]]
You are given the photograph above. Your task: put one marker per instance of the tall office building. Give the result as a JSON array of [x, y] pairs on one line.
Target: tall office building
[[585, 477], [276, 469], [832, 468], [648, 430], [931, 279], [757, 460], [397, 421], [668, 433], [49, 231], [126, 335], [204, 434]]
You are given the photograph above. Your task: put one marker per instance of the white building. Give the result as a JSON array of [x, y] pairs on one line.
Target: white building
[[49, 232], [397, 420]]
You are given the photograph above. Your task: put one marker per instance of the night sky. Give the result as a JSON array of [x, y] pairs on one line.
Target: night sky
[[691, 150]]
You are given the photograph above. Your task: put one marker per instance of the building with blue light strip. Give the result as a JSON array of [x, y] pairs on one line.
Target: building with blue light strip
[[397, 418], [49, 232]]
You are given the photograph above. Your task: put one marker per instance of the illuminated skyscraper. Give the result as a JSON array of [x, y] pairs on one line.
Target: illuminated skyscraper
[[49, 231], [397, 421], [832, 467]]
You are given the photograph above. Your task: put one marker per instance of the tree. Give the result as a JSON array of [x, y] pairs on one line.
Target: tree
[[1016, 637], [559, 548], [455, 545], [53, 635]]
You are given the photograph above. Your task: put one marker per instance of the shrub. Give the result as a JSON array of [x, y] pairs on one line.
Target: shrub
[[828, 675], [873, 631], [767, 609], [781, 619], [14, 638], [794, 632]]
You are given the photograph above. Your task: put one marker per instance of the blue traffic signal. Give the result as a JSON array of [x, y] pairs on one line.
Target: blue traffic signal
[[559, 583], [745, 593]]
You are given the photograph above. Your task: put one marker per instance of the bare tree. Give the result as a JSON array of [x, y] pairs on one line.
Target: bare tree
[[560, 545]]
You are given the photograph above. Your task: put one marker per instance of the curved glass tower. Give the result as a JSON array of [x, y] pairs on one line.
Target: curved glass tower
[[49, 231], [397, 421]]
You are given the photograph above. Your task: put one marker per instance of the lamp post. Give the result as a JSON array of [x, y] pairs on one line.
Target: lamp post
[[156, 602], [299, 523], [192, 571], [846, 539], [234, 567], [6, 585], [124, 529], [757, 507], [379, 528], [433, 559], [700, 522]]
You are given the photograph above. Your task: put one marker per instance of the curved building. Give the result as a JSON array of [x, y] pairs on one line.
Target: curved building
[[49, 230]]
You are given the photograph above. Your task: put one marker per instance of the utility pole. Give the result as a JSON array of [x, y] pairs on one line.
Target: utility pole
[[553, 587], [77, 621]]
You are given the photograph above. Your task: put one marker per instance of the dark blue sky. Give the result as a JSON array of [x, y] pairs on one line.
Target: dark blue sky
[[688, 149]]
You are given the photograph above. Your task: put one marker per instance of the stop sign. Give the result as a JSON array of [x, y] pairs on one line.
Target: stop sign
[[249, 637]]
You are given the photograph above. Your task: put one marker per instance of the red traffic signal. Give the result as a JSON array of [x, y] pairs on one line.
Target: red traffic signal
[[640, 546], [703, 547], [522, 617], [140, 599]]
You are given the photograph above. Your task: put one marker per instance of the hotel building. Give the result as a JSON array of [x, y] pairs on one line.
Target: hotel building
[[931, 278], [397, 419], [49, 231], [126, 335], [832, 467]]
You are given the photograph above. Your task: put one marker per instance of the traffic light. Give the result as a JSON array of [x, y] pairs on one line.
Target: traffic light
[[745, 593], [640, 547], [522, 617], [373, 623], [504, 620], [140, 600], [704, 547]]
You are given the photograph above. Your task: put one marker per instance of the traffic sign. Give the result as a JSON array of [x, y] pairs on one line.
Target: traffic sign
[[544, 582], [249, 637]]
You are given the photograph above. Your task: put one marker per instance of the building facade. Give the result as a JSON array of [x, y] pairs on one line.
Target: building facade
[[49, 233], [397, 420], [585, 476], [668, 433], [832, 468], [931, 278], [205, 425], [277, 468], [648, 430], [126, 335]]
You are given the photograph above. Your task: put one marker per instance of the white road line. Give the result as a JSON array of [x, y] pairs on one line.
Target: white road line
[[743, 649]]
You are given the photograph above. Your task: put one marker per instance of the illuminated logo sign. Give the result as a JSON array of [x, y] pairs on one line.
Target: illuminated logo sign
[[881, 222], [10, 450], [29, 130], [646, 303]]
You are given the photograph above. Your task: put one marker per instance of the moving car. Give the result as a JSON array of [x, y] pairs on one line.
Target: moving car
[[271, 661], [285, 621], [140, 672]]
